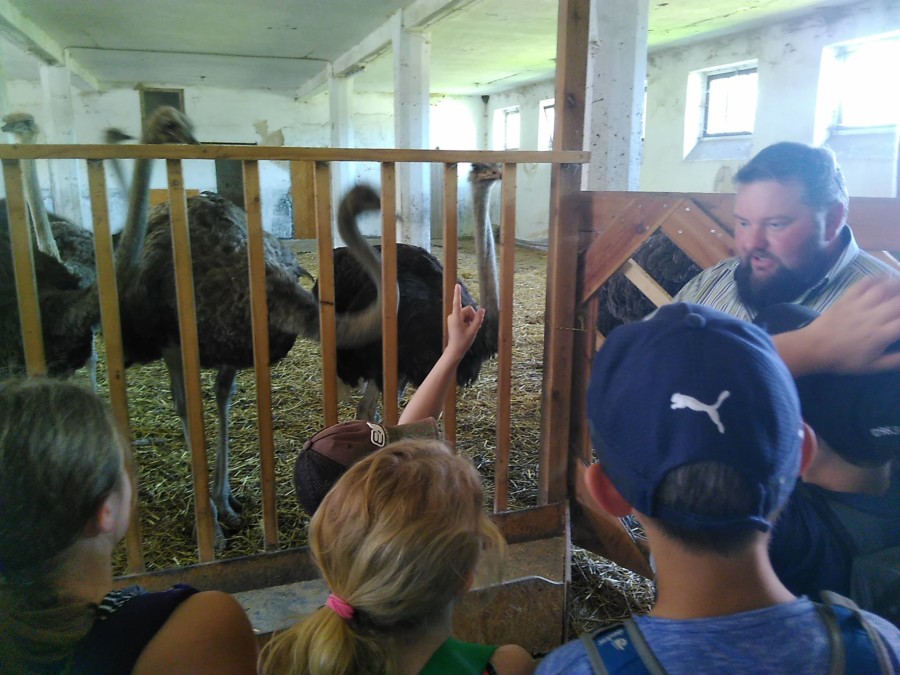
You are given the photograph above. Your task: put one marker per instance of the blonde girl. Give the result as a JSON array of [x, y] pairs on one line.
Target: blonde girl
[[65, 502], [397, 540]]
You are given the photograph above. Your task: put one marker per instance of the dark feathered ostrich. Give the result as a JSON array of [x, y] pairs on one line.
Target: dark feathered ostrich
[[622, 302], [420, 315], [68, 310], [57, 237], [218, 234]]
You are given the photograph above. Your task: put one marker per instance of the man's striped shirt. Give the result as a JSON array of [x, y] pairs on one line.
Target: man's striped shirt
[[715, 287]]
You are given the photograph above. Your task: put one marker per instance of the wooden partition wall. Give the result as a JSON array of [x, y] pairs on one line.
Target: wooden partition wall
[[612, 227]]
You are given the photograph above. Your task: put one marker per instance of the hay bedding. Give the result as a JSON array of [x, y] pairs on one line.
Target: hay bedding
[[603, 592]]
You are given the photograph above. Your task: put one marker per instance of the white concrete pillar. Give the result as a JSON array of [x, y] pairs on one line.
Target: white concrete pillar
[[412, 54], [617, 70], [65, 178], [340, 108]]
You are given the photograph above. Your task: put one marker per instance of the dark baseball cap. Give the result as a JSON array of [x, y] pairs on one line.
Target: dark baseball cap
[[327, 455]]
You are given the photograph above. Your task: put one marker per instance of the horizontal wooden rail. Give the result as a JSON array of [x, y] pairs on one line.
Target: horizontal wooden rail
[[258, 152]]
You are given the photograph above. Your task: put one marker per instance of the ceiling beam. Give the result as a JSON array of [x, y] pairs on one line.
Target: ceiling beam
[[419, 16], [30, 37]]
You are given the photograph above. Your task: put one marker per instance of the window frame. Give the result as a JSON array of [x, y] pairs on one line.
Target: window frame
[[719, 74]]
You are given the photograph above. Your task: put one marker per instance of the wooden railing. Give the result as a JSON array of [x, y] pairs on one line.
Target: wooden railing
[[310, 184]]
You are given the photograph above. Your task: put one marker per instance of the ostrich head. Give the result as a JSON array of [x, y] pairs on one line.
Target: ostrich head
[[168, 125], [485, 172], [113, 136], [22, 125]]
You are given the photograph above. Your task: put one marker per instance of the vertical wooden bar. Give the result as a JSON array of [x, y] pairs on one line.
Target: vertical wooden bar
[[303, 185], [190, 354], [23, 268], [327, 331], [571, 69], [451, 255], [259, 318], [504, 357], [112, 335], [389, 284]]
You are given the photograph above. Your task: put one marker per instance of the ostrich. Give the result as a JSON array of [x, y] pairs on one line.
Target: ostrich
[[420, 316], [57, 237], [218, 234], [68, 310], [23, 127], [621, 301]]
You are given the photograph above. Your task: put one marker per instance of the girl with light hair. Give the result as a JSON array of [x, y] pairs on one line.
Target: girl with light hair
[[397, 540]]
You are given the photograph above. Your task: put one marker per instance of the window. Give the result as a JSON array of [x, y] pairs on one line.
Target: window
[[545, 124], [862, 95], [151, 99], [729, 106], [507, 125]]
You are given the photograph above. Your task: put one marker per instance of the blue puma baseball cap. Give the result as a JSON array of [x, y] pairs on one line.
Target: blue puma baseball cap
[[692, 384]]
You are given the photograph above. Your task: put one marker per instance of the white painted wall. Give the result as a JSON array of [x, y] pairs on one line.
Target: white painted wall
[[533, 180], [789, 58], [262, 117]]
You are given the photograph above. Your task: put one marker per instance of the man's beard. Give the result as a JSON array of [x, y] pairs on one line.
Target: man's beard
[[783, 285]]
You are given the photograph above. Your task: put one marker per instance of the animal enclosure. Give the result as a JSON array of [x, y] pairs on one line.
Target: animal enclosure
[[528, 528]]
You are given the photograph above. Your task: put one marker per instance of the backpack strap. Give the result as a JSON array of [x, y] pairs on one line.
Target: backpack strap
[[856, 647], [620, 650]]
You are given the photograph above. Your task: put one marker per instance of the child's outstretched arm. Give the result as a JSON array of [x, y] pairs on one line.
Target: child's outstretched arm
[[463, 324]]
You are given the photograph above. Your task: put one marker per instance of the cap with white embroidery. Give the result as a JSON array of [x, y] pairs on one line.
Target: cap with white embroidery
[[693, 384]]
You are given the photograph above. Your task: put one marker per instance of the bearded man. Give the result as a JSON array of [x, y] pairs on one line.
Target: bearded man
[[794, 245]]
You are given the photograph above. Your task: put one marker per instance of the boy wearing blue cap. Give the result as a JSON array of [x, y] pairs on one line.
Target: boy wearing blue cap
[[839, 530], [697, 430]]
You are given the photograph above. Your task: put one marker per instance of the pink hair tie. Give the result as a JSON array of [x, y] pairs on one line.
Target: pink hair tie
[[340, 607]]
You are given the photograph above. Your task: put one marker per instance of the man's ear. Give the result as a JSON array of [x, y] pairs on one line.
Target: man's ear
[[602, 491], [809, 449], [834, 218]]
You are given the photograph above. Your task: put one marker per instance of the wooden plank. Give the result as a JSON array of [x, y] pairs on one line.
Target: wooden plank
[[505, 349], [451, 253], [327, 331], [604, 207], [718, 206], [190, 354], [303, 181], [268, 152], [259, 321], [698, 235], [645, 283], [565, 181], [632, 227], [112, 336], [389, 284], [23, 268], [283, 567]]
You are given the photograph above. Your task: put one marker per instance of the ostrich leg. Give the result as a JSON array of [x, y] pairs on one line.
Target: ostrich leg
[[172, 358], [365, 409], [228, 507]]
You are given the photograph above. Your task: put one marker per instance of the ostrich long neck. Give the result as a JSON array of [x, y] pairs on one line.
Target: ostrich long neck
[[132, 242], [364, 326], [42, 232], [484, 247]]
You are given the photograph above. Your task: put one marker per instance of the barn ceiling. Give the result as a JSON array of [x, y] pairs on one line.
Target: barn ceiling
[[478, 46]]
